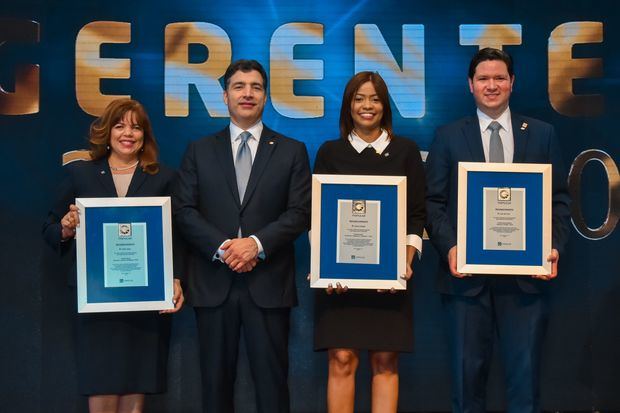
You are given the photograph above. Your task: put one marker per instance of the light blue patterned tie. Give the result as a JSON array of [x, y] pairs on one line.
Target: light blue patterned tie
[[243, 163], [496, 149]]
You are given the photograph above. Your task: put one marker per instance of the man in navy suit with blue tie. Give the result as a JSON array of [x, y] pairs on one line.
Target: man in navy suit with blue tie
[[480, 307], [241, 200]]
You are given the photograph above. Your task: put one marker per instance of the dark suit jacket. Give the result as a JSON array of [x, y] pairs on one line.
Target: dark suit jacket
[[93, 179], [275, 209], [461, 141]]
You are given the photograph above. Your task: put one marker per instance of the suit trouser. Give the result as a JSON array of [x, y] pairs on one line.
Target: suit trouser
[[520, 320], [266, 337]]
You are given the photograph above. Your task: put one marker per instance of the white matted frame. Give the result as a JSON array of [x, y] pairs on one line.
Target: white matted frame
[[395, 281], [500, 269], [82, 232]]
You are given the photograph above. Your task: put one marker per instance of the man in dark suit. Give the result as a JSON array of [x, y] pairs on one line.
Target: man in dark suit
[[478, 306], [242, 198]]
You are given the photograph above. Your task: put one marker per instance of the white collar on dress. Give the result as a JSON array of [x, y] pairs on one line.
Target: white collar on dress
[[378, 145]]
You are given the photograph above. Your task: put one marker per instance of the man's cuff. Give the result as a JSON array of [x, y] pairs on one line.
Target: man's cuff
[[261, 252], [415, 241], [218, 254]]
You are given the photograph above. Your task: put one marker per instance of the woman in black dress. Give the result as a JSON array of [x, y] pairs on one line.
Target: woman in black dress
[[381, 322], [121, 356]]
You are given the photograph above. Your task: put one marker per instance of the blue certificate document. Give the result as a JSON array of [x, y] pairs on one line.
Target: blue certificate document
[[125, 262], [358, 231], [124, 254], [504, 218]]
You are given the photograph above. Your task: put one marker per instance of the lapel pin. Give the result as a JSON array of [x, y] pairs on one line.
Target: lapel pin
[[270, 142], [102, 172], [387, 154], [524, 126]]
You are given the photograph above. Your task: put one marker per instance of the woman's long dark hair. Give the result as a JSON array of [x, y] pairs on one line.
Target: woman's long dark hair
[[354, 84]]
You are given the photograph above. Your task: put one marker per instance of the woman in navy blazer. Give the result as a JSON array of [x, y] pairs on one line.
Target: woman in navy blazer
[[121, 356]]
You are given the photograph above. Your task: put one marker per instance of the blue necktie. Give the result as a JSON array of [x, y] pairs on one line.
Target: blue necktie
[[243, 164], [496, 149]]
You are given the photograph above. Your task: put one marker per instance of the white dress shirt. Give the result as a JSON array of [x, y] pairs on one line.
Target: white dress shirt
[[505, 134], [379, 146], [235, 140]]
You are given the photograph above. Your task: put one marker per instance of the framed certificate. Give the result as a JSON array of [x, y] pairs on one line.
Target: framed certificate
[[358, 232], [504, 218], [124, 254]]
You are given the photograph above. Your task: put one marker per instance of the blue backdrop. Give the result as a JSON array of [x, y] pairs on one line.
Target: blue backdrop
[[60, 62]]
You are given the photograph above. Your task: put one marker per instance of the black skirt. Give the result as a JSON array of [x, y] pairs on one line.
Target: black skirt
[[122, 353], [364, 320]]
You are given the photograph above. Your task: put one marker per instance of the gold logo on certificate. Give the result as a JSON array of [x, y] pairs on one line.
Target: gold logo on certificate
[[359, 207], [504, 194], [124, 230]]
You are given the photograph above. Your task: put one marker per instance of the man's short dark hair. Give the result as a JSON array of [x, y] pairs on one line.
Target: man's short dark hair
[[245, 66], [489, 53]]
